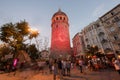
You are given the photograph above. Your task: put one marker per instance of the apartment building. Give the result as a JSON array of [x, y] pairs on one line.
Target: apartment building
[[111, 23], [103, 33], [78, 45], [95, 35]]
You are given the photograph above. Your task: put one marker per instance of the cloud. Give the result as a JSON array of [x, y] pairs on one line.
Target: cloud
[[98, 11]]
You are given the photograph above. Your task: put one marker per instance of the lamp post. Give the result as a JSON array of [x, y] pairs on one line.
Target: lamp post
[[33, 31]]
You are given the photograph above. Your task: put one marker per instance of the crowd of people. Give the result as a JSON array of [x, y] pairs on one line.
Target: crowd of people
[[62, 67]]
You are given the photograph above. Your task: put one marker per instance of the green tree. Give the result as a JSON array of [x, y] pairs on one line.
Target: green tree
[[16, 34], [7, 32], [33, 51], [4, 50]]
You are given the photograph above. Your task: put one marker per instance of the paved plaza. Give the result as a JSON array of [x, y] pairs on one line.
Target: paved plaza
[[94, 75], [75, 75]]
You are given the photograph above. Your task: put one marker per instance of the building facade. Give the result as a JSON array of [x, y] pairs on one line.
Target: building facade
[[111, 23], [60, 41], [78, 45], [90, 35], [95, 35], [103, 33], [104, 45]]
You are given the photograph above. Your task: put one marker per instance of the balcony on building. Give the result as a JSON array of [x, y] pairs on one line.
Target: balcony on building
[[104, 40], [101, 33]]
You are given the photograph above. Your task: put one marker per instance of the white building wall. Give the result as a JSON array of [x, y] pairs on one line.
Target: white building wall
[[91, 32]]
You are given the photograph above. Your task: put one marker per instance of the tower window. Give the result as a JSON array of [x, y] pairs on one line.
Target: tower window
[[56, 18], [64, 18], [60, 18]]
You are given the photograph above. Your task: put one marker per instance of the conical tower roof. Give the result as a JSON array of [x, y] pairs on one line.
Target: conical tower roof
[[59, 12]]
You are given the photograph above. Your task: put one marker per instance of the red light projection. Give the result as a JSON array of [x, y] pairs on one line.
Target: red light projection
[[60, 41]]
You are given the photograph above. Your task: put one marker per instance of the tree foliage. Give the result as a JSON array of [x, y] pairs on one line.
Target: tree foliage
[[4, 50], [33, 51], [16, 34]]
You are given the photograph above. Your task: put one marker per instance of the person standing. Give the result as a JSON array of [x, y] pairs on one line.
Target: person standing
[[116, 64], [50, 66], [55, 69], [81, 65], [68, 67], [64, 67], [90, 64], [59, 62]]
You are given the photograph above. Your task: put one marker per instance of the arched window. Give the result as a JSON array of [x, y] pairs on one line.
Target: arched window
[[56, 18], [60, 18], [64, 18]]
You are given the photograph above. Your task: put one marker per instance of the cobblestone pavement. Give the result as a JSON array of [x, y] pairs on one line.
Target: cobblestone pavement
[[75, 75], [94, 75]]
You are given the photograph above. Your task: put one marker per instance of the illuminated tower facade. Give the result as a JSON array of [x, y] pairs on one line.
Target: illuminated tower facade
[[60, 40]]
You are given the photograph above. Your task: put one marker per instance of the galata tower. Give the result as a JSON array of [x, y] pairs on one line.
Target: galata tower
[[60, 38]]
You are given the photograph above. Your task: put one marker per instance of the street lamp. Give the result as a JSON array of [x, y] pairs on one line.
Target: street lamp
[[33, 33]]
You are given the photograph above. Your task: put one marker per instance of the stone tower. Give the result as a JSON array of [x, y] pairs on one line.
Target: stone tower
[[60, 40]]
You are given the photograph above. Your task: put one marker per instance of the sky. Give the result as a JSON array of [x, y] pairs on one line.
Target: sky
[[38, 13]]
